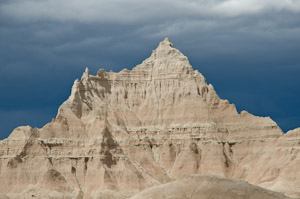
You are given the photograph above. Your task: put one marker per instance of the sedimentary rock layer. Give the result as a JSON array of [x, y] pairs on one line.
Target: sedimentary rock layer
[[124, 132]]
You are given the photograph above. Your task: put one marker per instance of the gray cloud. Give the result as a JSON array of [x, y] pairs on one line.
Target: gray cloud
[[132, 11]]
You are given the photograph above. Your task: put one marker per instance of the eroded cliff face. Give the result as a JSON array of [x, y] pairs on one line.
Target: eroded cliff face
[[120, 133]]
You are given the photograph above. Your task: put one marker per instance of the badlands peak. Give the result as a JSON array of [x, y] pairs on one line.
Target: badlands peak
[[120, 133], [163, 85]]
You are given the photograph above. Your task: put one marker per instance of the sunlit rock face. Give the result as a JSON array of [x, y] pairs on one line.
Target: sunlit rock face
[[120, 133]]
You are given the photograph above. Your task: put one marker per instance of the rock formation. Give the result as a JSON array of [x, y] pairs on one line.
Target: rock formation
[[120, 133]]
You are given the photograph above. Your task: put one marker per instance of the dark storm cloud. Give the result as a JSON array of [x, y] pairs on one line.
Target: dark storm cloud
[[249, 50]]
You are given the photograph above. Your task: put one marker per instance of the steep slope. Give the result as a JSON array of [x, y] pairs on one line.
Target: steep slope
[[131, 130]]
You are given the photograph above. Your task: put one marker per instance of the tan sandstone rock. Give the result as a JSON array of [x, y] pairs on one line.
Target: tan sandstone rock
[[124, 132]]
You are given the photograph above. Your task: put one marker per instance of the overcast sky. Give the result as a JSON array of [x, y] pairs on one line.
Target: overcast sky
[[248, 49]]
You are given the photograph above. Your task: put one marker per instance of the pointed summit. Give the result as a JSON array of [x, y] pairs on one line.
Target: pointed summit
[[166, 42], [165, 58], [166, 50]]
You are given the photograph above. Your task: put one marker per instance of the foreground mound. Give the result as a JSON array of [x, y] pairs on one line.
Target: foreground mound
[[208, 187]]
